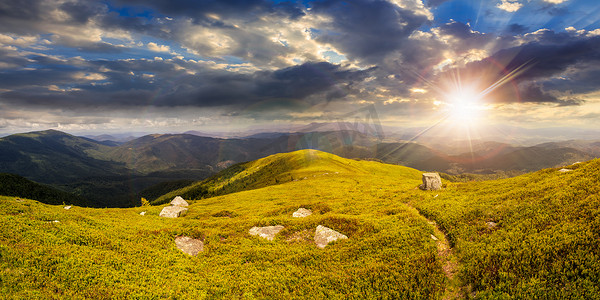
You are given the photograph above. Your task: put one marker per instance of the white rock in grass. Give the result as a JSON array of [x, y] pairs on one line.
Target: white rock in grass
[[67, 207], [565, 170], [491, 224], [142, 213], [173, 212], [267, 232], [302, 213], [189, 245], [431, 182], [433, 237], [325, 235], [178, 201]]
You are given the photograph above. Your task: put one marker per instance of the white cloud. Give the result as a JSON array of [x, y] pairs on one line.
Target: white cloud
[[509, 5], [158, 48], [555, 1]]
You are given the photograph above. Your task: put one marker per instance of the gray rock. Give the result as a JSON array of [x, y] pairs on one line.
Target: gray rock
[[267, 232], [491, 224], [325, 235], [67, 207], [189, 245], [178, 201], [302, 213], [565, 170], [19, 200], [431, 182], [173, 212]]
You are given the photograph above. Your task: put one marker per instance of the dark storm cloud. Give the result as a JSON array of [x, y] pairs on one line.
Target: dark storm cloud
[[198, 10], [164, 83], [550, 55], [545, 57], [366, 29]]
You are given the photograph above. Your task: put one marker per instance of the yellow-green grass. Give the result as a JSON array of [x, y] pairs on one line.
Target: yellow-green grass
[[278, 169], [546, 244], [116, 253]]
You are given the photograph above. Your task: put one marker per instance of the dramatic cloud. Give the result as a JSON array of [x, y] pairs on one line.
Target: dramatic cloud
[[262, 60]]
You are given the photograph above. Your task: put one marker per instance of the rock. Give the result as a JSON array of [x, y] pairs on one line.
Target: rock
[[491, 224], [434, 238], [324, 236], [67, 207], [189, 245], [302, 213], [178, 201], [19, 200], [565, 170], [431, 182], [173, 212], [142, 213], [55, 221], [267, 232]]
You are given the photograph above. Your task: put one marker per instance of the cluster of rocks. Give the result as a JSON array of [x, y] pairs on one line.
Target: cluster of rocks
[[323, 235], [178, 208]]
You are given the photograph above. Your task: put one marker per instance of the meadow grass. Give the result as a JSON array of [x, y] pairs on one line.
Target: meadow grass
[[546, 241], [544, 244], [116, 253]]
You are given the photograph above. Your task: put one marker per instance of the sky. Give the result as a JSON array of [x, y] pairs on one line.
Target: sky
[[227, 65]]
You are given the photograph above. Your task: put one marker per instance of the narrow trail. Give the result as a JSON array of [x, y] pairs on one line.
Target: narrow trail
[[449, 261]]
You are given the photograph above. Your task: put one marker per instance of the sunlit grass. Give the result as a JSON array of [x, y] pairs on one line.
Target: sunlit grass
[[545, 243]]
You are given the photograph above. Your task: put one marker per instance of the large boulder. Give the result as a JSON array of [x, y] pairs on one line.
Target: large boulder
[[173, 212], [189, 245], [302, 213], [267, 232], [431, 182], [178, 201], [325, 235]]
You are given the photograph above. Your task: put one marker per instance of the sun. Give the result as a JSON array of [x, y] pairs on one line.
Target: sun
[[464, 106]]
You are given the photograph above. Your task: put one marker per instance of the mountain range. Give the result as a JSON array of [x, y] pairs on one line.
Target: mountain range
[[116, 174]]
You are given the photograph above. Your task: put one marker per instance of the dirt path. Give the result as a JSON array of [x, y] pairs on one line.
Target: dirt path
[[449, 261]]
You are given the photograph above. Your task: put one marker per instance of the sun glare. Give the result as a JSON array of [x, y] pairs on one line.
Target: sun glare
[[464, 107]]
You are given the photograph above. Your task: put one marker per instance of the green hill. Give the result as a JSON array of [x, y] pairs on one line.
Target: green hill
[[55, 157], [274, 169], [543, 242], [17, 186]]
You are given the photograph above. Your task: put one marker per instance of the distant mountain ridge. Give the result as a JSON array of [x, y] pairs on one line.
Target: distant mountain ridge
[[113, 174]]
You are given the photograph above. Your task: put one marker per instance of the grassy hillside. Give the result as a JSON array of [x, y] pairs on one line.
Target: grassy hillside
[[15, 185], [546, 240], [55, 157], [116, 253], [275, 169], [543, 242]]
